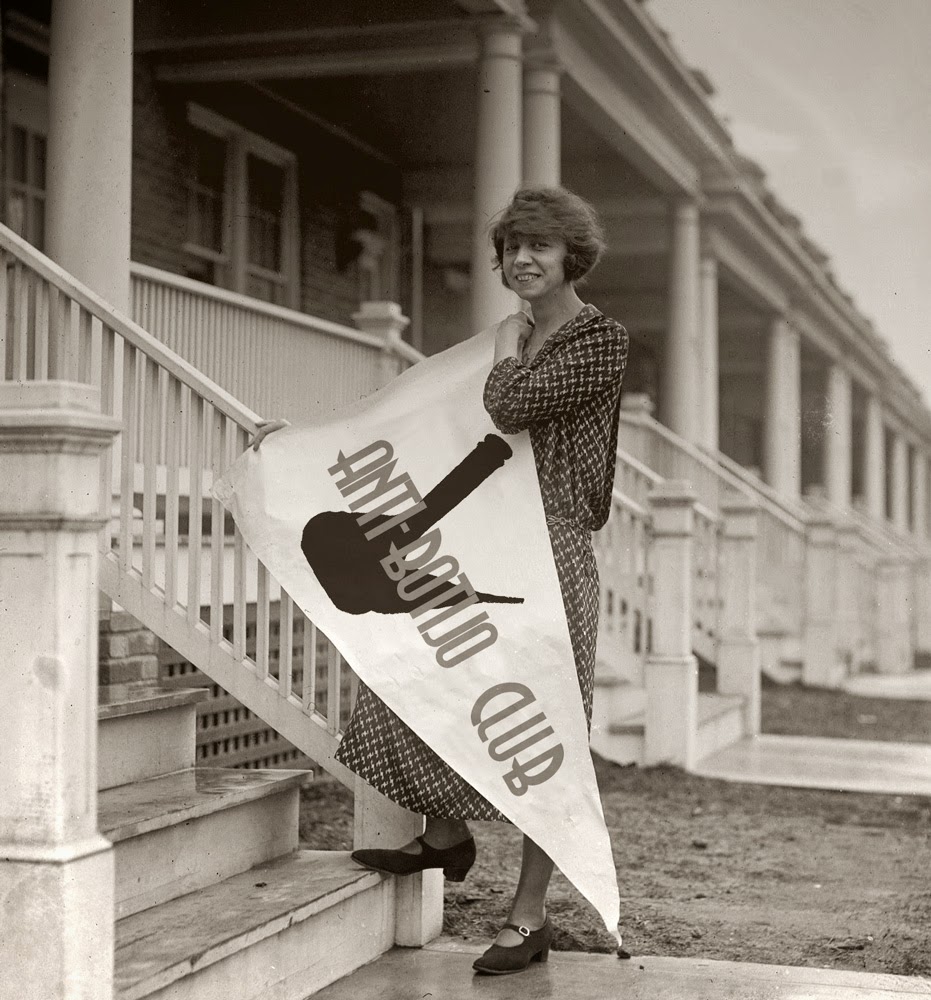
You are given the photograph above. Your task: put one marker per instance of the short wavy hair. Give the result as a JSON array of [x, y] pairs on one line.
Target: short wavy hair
[[552, 213]]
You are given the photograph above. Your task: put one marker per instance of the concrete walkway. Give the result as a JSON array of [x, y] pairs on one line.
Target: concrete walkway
[[443, 971], [816, 762], [914, 686]]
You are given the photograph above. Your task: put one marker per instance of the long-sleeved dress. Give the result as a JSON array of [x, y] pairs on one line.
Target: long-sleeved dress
[[568, 396]]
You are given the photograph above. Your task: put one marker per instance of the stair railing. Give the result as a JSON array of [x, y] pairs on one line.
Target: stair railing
[[169, 553], [781, 526], [634, 482]]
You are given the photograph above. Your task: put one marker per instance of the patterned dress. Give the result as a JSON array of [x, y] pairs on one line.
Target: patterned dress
[[568, 396]]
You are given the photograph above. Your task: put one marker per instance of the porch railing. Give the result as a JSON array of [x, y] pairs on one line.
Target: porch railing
[[277, 361], [781, 527]]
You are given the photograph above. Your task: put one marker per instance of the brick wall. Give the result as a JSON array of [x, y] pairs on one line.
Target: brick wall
[[331, 173], [159, 206], [128, 657]]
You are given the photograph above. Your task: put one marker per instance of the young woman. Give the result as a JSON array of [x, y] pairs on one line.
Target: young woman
[[557, 372]]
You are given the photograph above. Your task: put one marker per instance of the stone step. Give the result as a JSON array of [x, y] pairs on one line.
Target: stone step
[[183, 831], [281, 930], [145, 736]]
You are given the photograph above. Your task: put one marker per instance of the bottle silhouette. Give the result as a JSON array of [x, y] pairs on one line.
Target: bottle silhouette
[[348, 565]]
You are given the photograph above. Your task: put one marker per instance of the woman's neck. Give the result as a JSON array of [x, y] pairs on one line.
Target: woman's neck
[[551, 313]]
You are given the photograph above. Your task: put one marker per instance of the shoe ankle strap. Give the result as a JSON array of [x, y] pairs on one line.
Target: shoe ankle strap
[[523, 931]]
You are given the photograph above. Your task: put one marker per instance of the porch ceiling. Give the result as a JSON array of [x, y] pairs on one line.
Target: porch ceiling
[[417, 119], [428, 119]]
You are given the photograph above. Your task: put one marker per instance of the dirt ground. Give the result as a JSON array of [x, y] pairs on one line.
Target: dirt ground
[[724, 871]]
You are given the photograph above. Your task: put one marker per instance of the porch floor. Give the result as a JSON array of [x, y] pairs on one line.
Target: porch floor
[[817, 762], [443, 971], [914, 686]]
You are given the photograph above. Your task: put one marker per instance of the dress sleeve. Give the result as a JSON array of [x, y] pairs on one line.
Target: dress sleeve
[[517, 395]]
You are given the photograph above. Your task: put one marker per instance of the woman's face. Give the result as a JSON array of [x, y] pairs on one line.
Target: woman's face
[[533, 265]]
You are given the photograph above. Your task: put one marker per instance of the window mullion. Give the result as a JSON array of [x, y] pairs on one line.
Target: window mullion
[[239, 213]]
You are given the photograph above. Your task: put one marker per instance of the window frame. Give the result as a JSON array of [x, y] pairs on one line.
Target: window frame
[[26, 100], [236, 269]]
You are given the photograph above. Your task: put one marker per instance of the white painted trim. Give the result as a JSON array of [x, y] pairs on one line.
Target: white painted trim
[[312, 324], [222, 127], [321, 64], [595, 93]]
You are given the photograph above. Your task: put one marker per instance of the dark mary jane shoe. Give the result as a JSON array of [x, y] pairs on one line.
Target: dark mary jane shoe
[[502, 961], [455, 861]]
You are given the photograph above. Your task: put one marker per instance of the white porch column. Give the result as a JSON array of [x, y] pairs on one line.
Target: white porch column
[[838, 438], [782, 444], [874, 460], [681, 377], [899, 482], [542, 124], [497, 162], [920, 493], [90, 143], [56, 870], [711, 386]]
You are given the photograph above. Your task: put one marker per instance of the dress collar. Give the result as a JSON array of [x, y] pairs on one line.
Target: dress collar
[[562, 334]]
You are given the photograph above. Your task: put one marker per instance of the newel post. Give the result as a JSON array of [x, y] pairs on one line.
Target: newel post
[[852, 630], [895, 650], [384, 320], [637, 408], [56, 870], [418, 910], [821, 661], [671, 675], [738, 645], [923, 604]]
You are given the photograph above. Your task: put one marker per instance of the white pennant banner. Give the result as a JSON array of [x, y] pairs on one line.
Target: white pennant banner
[[413, 534]]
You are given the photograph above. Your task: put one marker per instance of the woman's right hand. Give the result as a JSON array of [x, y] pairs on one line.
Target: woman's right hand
[[511, 334], [264, 428]]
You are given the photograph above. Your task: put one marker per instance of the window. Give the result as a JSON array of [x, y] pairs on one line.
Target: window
[[207, 218], [242, 229], [25, 143]]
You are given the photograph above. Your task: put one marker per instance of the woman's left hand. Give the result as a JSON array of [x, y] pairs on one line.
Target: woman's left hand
[[511, 334], [263, 429]]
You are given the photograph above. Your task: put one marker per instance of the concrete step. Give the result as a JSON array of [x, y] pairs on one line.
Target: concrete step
[[720, 722], [620, 739], [180, 832], [617, 722], [280, 931], [147, 735]]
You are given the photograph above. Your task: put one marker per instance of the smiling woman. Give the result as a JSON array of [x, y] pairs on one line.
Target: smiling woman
[[557, 374]]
